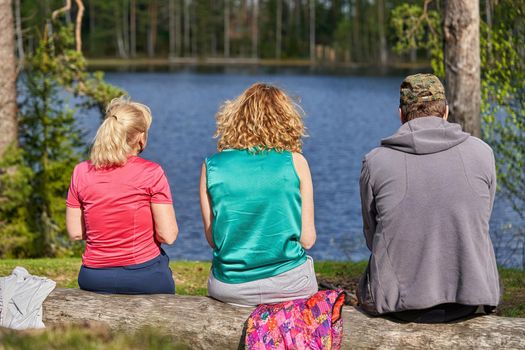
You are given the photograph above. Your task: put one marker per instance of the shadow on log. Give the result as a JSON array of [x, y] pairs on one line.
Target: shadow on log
[[204, 323]]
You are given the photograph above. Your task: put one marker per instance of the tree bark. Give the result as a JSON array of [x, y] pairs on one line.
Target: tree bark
[[133, 28], [152, 32], [255, 28], [227, 28], [91, 26], [312, 30], [278, 29], [462, 63], [488, 16], [172, 26], [125, 25], [8, 122], [383, 53], [66, 8], [205, 323], [356, 32], [193, 21], [186, 27], [178, 25], [19, 34], [119, 35], [78, 25]]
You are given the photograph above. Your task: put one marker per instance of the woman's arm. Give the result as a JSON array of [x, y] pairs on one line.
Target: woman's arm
[[207, 214], [75, 224], [308, 234], [166, 228]]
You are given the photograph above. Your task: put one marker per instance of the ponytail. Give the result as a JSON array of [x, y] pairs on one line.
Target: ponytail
[[119, 135]]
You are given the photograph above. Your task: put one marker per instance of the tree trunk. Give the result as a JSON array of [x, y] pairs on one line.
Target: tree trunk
[[92, 26], [178, 25], [383, 53], [204, 323], [488, 16], [125, 25], [193, 21], [152, 32], [19, 35], [8, 122], [312, 30], [172, 26], [255, 28], [186, 27], [65, 8], [462, 63], [356, 33], [227, 28], [133, 28], [78, 25], [278, 29], [119, 36]]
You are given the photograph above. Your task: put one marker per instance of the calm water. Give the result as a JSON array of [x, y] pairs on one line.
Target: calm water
[[345, 117]]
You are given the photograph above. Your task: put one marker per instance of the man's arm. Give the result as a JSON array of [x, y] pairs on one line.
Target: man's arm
[[368, 206]]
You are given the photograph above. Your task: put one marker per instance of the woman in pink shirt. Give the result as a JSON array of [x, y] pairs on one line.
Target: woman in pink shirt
[[121, 205]]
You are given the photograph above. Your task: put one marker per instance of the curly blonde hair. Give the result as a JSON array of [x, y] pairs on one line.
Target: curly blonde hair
[[262, 117]]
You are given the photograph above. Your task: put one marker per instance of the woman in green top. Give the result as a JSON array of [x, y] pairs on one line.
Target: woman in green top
[[257, 201]]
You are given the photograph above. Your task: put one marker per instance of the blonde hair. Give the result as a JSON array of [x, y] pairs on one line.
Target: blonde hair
[[119, 135], [262, 117]]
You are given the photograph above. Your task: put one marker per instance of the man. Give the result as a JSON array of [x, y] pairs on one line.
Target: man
[[426, 196]]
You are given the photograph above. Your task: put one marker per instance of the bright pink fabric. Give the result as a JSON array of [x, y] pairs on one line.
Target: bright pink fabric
[[117, 211], [304, 324]]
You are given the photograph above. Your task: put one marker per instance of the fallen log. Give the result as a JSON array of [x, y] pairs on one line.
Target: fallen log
[[204, 323]]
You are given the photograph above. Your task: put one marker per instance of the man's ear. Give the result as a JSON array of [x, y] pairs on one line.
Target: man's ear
[[401, 118], [445, 116]]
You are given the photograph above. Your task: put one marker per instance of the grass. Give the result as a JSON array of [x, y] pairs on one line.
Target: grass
[[87, 337], [191, 277]]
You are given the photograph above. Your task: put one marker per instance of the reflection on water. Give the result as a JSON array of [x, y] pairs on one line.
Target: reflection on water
[[346, 116]]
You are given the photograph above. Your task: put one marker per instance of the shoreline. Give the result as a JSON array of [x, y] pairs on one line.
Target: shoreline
[[240, 63]]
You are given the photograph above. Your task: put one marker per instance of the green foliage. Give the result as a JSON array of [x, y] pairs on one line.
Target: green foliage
[[418, 29], [35, 177], [16, 238], [503, 109], [342, 36]]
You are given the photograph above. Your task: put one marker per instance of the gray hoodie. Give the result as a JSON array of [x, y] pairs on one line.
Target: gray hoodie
[[426, 197]]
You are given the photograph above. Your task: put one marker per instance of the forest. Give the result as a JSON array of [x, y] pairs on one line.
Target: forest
[[320, 31]]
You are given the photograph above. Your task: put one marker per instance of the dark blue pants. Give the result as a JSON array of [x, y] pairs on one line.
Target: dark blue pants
[[152, 277]]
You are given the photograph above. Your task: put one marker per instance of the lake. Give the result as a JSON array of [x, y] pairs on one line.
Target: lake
[[346, 116]]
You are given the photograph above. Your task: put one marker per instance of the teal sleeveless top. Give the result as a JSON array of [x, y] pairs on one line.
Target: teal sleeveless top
[[256, 204]]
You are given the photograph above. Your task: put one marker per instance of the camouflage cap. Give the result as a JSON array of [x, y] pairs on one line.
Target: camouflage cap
[[421, 88]]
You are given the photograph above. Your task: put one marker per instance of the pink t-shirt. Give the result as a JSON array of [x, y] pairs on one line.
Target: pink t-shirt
[[117, 212]]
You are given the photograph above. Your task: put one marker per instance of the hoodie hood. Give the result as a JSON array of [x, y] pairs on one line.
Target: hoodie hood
[[426, 135]]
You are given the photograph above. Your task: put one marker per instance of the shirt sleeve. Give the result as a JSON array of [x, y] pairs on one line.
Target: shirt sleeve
[[368, 205], [73, 200], [160, 191]]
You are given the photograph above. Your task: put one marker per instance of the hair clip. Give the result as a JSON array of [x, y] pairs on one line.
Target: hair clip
[[114, 116]]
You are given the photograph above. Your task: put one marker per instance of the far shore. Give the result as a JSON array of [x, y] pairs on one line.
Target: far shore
[[183, 62]]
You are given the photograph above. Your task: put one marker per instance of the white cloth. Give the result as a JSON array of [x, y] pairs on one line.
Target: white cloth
[[21, 299]]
